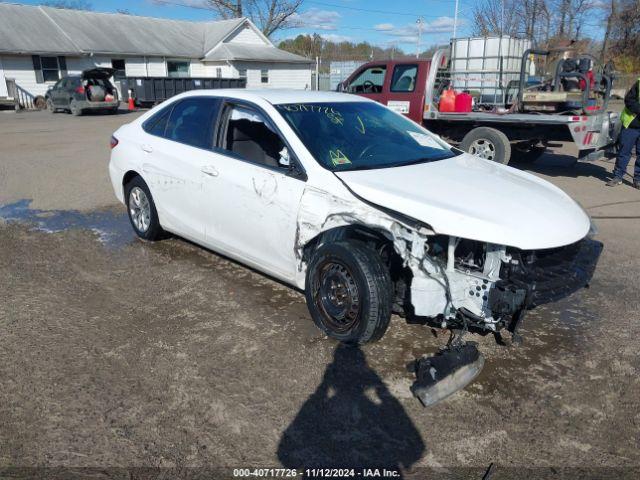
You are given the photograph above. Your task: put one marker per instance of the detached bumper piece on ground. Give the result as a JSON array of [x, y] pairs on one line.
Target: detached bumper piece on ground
[[444, 374]]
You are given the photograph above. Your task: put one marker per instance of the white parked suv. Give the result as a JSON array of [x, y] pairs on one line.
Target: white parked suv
[[364, 210]]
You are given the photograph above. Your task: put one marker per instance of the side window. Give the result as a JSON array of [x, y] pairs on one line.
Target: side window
[[369, 80], [404, 78], [190, 121], [249, 136], [157, 124]]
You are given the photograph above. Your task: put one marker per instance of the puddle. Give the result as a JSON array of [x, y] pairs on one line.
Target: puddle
[[111, 226]]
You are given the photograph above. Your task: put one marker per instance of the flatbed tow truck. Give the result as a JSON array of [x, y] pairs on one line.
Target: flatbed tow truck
[[519, 118]]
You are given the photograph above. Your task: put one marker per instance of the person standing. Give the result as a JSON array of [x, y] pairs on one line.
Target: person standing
[[629, 137]]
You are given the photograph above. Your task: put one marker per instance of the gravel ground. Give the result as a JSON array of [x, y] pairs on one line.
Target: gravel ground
[[115, 353]]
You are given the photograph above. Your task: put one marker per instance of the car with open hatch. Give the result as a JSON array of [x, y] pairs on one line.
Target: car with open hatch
[[364, 210], [91, 90]]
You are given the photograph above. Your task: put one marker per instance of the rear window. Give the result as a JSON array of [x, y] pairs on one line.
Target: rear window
[[404, 78], [157, 124], [191, 120]]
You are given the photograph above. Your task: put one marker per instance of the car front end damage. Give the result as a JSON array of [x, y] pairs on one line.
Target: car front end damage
[[449, 282]]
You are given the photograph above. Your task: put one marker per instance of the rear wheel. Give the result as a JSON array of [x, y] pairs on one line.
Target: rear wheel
[[50, 106], [142, 210], [487, 143], [349, 292], [75, 108]]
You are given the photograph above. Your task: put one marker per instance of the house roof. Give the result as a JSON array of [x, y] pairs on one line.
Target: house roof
[[253, 53], [47, 30]]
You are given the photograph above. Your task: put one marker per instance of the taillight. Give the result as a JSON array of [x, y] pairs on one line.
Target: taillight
[[113, 142], [79, 89]]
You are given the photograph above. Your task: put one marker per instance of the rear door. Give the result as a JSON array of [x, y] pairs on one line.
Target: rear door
[[176, 151]]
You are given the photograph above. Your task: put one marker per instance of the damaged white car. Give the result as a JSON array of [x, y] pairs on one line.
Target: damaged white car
[[364, 210]]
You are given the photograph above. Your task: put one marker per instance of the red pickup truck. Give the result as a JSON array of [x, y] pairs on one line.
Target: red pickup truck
[[413, 88]]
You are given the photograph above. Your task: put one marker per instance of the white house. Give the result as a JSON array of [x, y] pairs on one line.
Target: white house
[[39, 44]]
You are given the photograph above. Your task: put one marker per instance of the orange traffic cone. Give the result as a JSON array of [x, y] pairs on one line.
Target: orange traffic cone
[[132, 105]]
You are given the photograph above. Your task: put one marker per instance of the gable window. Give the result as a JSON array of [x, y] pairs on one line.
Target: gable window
[[218, 72], [264, 75], [118, 65], [177, 69], [49, 69]]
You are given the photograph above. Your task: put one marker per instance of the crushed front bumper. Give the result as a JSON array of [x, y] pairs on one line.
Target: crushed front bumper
[[545, 276]]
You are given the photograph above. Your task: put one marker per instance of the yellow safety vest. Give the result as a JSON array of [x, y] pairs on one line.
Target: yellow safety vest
[[627, 117]]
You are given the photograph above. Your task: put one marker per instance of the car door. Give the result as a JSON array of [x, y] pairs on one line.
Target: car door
[[176, 151], [55, 93], [252, 195], [368, 82], [404, 94]]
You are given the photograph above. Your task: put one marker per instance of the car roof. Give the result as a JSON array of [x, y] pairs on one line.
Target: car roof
[[280, 96]]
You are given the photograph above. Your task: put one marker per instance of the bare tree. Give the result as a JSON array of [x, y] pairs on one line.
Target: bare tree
[[268, 15]]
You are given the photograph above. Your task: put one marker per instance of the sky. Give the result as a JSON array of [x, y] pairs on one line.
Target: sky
[[383, 23]]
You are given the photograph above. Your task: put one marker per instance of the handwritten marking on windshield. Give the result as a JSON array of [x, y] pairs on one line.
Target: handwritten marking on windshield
[[338, 158], [361, 130]]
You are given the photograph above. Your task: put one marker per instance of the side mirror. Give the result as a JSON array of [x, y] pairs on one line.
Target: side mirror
[[285, 159]]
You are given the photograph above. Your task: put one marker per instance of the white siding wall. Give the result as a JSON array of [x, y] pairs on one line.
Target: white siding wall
[[135, 67], [157, 67], [246, 35], [281, 75], [20, 68], [198, 69], [227, 70], [3, 82]]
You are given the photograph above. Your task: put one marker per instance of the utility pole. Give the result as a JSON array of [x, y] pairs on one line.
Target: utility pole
[[420, 22], [455, 20]]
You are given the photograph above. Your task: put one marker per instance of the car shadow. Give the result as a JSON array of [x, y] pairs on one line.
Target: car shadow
[[559, 165], [351, 421]]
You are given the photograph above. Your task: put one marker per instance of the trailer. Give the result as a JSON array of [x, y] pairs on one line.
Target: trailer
[[515, 112]]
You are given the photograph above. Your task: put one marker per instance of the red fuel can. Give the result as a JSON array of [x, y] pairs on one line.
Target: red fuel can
[[463, 102]]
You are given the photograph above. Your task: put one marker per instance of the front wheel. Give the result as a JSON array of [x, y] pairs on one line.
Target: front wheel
[[487, 143], [142, 210], [349, 292]]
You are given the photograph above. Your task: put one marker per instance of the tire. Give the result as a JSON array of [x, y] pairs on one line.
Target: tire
[[40, 103], [50, 106], [487, 143], [74, 109], [355, 272], [139, 200], [113, 111]]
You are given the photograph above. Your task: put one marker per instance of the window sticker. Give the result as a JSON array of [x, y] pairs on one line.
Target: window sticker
[[338, 158], [424, 140]]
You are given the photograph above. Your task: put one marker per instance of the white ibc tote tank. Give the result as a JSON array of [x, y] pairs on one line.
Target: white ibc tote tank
[[486, 65]]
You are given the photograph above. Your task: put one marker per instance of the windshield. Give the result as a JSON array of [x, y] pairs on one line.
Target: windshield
[[361, 135]]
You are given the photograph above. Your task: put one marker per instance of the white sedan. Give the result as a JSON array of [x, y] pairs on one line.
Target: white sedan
[[364, 210]]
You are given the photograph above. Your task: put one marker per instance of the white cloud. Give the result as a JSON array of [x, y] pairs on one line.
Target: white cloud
[[384, 27], [409, 32], [315, 18], [333, 37]]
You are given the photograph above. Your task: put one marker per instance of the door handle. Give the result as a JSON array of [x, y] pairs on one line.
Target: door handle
[[209, 170], [146, 148]]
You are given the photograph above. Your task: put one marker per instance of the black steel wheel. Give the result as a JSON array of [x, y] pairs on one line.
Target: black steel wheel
[[349, 292]]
